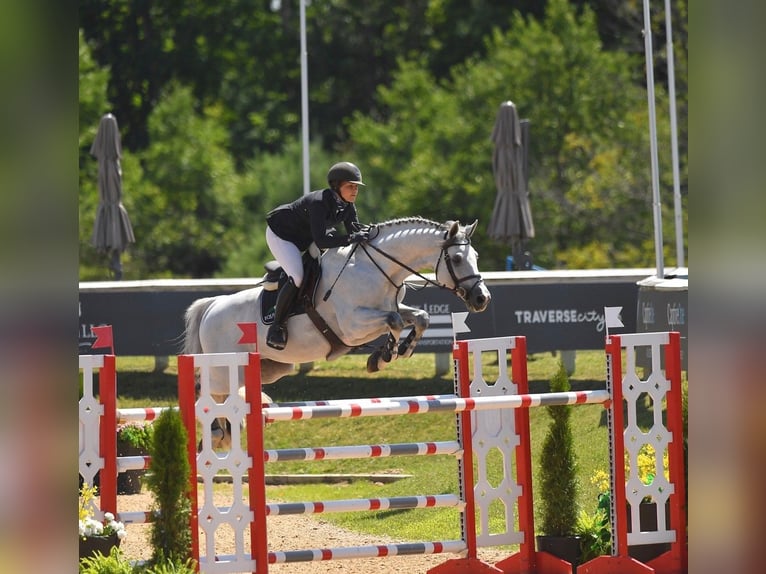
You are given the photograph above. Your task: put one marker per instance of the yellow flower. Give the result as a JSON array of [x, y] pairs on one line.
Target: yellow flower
[[601, 480], [647, 466], [87, 496]]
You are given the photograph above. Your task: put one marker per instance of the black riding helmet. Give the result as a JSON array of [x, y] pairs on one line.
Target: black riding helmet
[[344, 171]]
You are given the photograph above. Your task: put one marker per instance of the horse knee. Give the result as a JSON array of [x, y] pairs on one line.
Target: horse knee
[[395, 322]]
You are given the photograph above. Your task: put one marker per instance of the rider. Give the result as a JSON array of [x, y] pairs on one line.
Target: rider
[[292, 227]]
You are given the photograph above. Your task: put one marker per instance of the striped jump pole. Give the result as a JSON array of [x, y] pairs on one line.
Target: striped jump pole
[[416, 406], [473, 405], [362, 451], [345, 401], [145, 414]]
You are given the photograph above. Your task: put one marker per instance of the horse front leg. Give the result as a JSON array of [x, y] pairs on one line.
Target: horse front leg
[[388, 351], [419, 320]]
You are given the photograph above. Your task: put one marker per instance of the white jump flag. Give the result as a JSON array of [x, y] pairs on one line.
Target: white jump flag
[[612, 318], [458, 324]]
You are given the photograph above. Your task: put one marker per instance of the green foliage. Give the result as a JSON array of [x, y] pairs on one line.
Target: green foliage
[[168, 480], [208, 95], [187, 211], [267, 182], [93, 102], [588, 187], [114, 563], [137, 434], [169, 566], [595, 535], [558, 467]]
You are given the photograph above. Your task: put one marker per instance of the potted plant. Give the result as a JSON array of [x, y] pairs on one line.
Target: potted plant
[[558, 481], [96, 536], [133, 439]]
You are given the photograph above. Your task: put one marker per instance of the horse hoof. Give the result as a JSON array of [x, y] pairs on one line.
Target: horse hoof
[[372, 363]]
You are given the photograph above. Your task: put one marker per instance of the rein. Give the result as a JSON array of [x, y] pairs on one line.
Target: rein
[[457, 289]]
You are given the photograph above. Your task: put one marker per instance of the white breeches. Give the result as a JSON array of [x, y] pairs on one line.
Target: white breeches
[[288, 255]]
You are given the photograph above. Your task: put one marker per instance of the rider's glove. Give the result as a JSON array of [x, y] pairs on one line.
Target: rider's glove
[[358, 236]]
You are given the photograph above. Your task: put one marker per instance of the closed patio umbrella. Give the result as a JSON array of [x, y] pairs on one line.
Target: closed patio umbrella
[[112, 231], [511, 216]]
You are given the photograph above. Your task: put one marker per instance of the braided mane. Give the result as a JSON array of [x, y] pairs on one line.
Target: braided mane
[[412, 219]]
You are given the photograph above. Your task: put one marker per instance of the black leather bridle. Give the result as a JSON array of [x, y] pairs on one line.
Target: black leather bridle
[[458, 289]]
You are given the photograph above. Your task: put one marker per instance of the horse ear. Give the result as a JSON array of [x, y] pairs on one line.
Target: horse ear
[[454, 227], [471, 228]]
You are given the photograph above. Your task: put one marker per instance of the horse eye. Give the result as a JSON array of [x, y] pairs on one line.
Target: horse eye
[[457, 259]]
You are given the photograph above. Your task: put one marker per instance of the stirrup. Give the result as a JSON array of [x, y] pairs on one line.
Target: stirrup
[[276, 338]]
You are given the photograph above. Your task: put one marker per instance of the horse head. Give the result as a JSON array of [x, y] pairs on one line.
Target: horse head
[[461, 267]]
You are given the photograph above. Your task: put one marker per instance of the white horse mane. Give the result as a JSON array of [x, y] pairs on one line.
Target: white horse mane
[[407, 220], [415, 220]]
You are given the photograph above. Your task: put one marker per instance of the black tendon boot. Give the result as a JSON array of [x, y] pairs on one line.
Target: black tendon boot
[[277, 335]]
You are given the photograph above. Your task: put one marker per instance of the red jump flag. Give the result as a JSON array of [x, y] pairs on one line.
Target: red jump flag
[[249, 334], [104, 338]]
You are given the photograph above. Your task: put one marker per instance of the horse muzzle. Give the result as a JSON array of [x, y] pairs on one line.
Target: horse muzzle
[[477, 298]]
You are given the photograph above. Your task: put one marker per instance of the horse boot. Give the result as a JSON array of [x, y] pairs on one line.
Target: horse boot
[[277, 335]]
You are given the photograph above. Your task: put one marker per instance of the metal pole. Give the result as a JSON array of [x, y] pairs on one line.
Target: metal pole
[[304, 99], [674, 140], [657, 206]]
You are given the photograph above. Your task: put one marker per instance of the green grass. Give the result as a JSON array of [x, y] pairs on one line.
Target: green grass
[[139, 385]]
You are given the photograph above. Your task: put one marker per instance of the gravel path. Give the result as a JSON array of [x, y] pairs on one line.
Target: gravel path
[[293, 533]]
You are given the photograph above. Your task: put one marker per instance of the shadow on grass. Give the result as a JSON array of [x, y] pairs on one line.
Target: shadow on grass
[[147, 385], [302, 388]]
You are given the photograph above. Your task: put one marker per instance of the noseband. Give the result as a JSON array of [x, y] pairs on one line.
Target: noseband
[[457, 289]]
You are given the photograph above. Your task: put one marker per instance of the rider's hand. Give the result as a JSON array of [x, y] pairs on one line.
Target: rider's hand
[[358, 237]]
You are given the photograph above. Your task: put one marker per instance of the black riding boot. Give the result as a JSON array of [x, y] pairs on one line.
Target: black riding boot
[[277, 335]]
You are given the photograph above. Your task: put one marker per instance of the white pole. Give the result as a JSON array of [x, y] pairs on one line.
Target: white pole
[[679, 221], [657, 206], [304, 100]]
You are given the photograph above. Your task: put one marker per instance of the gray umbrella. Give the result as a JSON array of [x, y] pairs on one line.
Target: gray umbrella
[[511, 216], [112, 230]]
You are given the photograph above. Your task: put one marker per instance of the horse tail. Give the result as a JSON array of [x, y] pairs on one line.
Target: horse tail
[[194, 314]]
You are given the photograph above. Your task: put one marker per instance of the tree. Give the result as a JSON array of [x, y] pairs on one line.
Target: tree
[[270, 180], [558, 467], [187, 209], [588, 177], [168, 480]]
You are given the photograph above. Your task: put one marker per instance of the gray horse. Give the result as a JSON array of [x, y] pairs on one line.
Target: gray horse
[[358, 298]]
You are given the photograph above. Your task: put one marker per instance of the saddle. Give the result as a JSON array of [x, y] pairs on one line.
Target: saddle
[[273, 280], [275, 277]]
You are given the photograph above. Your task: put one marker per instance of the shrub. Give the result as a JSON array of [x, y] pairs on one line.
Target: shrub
[[558, 467], [168, 480], [137, 434], [114, 563]]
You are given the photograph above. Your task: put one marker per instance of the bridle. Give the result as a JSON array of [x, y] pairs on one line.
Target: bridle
[[457, 281], [458, 289]]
